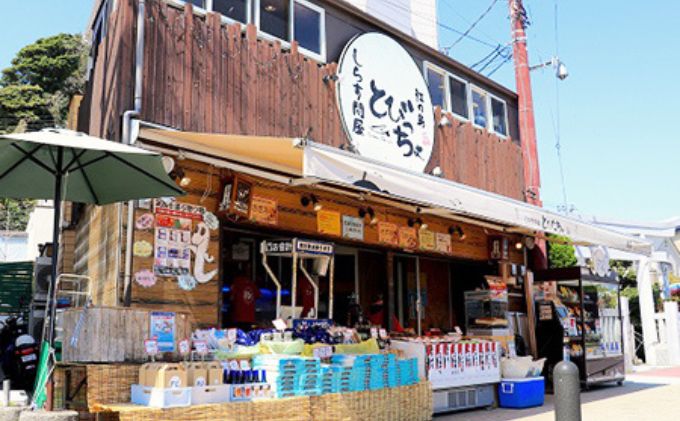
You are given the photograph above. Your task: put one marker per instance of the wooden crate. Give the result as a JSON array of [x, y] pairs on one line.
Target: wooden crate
[[112, 334]]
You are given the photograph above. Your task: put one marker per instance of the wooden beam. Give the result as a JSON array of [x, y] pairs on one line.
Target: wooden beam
[[390, 291], [531, 318]]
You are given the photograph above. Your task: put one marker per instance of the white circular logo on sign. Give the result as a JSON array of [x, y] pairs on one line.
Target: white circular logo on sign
[[384, 102]]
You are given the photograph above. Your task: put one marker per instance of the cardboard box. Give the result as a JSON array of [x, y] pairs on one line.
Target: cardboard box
[[147, 373], [166, 376], [197, 374], [215, 373]]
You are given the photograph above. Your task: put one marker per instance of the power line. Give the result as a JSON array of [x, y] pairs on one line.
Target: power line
[[468, 21], [558, 134], [467, 32], [396, 6]]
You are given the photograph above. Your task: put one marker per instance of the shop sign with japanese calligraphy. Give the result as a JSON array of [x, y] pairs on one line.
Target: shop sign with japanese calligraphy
[[384, 102]]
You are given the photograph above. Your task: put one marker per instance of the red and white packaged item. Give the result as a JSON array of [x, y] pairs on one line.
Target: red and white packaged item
[[468, 357], [441, 350], [476, 351], [430, 358], [447, 359]]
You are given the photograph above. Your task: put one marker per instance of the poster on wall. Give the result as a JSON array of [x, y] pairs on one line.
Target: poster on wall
[[443, 243], [426, 238], [408, 238], [388, 233], [264, 210], [172, 242], [353, 227], [162, 330], [328, 222], [172, 207]]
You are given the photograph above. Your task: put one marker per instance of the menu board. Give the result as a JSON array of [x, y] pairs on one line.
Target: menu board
[[328, 222], [388, 233], [427, 241], [408, 238], [264, 210], [443, 243]]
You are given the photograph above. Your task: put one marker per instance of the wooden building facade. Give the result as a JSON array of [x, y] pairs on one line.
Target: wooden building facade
[[205, 73]]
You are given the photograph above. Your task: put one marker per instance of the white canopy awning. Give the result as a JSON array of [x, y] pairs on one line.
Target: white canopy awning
[[301, 162], [444, 197]]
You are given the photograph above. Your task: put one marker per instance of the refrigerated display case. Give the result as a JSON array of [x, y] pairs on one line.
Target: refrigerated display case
[[579, 318]]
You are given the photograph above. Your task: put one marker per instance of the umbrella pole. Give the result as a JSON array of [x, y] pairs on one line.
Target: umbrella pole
[[55, 246]]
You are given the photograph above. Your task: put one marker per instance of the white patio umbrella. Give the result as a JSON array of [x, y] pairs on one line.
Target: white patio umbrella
[[63, 165]]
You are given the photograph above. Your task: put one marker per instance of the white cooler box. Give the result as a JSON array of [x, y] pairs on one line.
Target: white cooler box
[[210, 394], [160, 398]]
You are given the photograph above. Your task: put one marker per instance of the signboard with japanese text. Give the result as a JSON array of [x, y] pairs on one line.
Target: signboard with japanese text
[[427, 239], [443, 243], [353, 228], [388, 233], [384, 102], [408, 238], [328, 222], [264, 210]]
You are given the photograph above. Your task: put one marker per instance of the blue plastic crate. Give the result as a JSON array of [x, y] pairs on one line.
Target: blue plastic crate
[[521, 393]]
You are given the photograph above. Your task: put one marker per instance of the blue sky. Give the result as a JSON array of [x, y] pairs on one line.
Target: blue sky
[[620, 146]]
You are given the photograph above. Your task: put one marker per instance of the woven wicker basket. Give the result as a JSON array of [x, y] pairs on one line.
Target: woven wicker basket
[[110, 383]]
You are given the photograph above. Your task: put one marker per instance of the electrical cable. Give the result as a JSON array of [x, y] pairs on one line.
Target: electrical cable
[[558, 134], [396, 6], [467, 32]]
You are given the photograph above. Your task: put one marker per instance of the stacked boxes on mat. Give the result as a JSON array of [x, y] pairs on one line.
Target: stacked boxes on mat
[[290, 375], [407, 372]]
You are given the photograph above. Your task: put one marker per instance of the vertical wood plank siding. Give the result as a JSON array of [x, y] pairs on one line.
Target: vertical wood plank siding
[[202, 75]]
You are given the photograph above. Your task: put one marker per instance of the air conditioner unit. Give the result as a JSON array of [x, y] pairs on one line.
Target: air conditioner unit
[[42, 276]]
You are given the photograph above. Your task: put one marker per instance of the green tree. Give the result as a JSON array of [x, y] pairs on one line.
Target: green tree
[[36, 89], [14, 214], [34, 93], [560, 254]]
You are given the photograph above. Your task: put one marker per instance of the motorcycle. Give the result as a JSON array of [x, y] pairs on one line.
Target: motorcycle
[[18, 355]]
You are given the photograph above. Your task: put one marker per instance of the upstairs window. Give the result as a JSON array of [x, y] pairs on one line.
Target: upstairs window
[[201, 4], [275, 18], [499, 116], [436, 80], [236, 10], [480, 114], [458, 93], [308, 26], [294, 20]]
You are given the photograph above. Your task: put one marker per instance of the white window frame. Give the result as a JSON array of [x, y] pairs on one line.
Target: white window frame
[[448, 105], [427, 66], [320, 57], [492, 129], [209, 8], [471, 111], [227, 19], [468, 98]]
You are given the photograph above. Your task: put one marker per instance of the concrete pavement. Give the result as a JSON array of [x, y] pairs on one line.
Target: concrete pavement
[[652, 395]]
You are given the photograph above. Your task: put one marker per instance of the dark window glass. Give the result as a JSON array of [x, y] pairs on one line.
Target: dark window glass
[[197, 3], [308, 28], [233, 9], [274, 18], [435, 83], [459, 101], [500, 125]]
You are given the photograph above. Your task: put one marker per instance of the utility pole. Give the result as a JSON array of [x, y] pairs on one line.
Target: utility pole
[[527, 124]]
